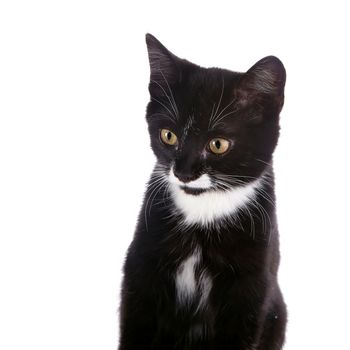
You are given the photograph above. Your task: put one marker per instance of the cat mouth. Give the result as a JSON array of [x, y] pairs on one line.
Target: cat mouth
[[193, 190], [195, 187]]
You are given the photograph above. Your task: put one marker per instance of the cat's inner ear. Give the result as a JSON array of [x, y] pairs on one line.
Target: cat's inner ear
[[264, 81], [164, 66]]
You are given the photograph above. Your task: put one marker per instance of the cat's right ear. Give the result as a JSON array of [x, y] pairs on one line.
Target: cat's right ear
[[263, 83], [164, 66]]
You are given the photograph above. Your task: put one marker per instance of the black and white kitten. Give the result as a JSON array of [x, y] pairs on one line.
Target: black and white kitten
[[201, 272]]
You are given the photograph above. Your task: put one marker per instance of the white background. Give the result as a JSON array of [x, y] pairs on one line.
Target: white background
[[75, 156]]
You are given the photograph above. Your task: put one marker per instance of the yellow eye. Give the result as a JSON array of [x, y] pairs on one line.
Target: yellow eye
[[168, 137], [219, 145]]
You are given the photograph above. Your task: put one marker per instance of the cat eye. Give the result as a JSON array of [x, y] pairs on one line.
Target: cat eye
[[168, 137], [219, 145]]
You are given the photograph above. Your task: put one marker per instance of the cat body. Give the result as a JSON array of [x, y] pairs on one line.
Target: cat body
[[201, 271]]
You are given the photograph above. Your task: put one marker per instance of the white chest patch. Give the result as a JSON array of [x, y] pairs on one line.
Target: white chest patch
[[209, 206], [205, 285], [188, 286]]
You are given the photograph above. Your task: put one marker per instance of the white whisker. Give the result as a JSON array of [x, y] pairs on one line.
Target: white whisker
[[219, 104], [176, 110], [164, 106], [170, 101]]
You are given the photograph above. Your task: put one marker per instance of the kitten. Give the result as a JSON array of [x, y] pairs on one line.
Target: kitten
[[201, 272]]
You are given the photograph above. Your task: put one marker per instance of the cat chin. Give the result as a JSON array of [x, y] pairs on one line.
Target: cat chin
[[210, 206]]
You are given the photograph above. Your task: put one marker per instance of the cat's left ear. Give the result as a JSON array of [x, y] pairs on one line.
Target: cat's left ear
[[264, 81], [165, 66]]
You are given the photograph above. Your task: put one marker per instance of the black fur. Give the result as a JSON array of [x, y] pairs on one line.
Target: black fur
[[245, 308]]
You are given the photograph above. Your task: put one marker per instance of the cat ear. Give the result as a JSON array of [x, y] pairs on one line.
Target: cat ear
[[264, 82], [164, 66]]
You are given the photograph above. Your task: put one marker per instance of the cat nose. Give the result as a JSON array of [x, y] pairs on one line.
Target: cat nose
[[184, 177]]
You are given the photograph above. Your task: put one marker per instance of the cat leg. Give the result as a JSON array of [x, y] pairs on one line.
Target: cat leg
[[274, 327], [136, 326], [137, 314]]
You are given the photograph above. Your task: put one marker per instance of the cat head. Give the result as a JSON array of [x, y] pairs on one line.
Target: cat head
[[212, 129]]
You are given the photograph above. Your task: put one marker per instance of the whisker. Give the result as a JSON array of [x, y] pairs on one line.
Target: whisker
[[218, 120], [164, 106], [218, 106], [172, 95], [156, 185], [222, 111], [252, 224], [170, 101], [211, 116], [155, 195]]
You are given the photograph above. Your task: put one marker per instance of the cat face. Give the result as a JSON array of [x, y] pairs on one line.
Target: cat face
[[212, 129]]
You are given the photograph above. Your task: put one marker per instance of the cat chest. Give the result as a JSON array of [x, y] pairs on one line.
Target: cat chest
[[193, 283]]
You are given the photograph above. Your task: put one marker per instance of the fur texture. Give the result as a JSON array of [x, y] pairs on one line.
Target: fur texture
[[201, 272]]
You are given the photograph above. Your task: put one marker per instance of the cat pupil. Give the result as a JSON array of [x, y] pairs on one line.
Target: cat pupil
[[217, 144], [168, 136]]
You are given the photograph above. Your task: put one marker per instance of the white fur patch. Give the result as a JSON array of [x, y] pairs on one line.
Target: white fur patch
[[203, 182], [209, 206], [186, 285], [205, 284]]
